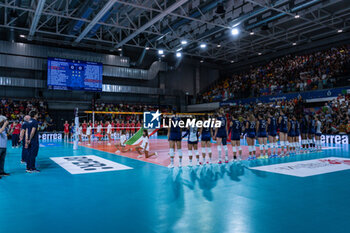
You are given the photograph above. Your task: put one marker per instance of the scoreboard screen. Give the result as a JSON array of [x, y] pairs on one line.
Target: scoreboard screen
[[66, 74]]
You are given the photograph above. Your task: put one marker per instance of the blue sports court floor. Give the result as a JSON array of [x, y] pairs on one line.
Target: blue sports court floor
[[152, 198]]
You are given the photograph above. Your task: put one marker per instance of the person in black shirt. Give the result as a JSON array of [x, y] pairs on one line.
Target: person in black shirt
[[32, 142], [22, 138]]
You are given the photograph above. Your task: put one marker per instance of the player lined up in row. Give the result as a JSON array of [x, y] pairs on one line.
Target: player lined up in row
[[100, 129], [265, 127]]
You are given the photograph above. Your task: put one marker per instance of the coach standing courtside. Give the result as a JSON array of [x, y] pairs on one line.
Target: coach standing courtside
[[32, 142], [3, 144], [22, 138]]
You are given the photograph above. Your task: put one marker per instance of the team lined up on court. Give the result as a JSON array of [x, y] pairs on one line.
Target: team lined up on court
[[262, 127]]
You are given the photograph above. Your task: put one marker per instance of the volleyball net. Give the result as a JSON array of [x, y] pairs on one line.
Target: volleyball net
[[111, 125]]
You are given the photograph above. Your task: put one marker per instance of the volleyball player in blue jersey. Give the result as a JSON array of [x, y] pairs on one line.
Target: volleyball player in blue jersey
[[236, 132], [312, 132], [206, 134], [272, 132], [318, 133], [262, 136], [251, 134], [297, 135], [291, 135], [304, 128], [283, 126], [174, 137], [220, 135]]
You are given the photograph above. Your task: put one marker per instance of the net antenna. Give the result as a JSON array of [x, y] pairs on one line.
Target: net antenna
[[76, 128]]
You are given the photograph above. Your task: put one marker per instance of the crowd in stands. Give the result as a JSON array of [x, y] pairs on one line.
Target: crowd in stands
[[15, 110], [122, 107], [292, 73], [334, 115]]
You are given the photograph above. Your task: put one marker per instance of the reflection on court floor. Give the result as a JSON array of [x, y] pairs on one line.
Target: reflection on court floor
[[151, 198]]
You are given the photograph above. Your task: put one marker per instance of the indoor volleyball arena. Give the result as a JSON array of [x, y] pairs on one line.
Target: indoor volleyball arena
[[174, 116]]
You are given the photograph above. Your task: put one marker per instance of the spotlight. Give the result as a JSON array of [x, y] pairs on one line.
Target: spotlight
[[163, 55], [251, 33], [235, 31], [160, 51], [219, 45], [232, 61], [340, 31], [203, 46], [120, 49], [259, 54], [297, 16], [178, 54], [294, 43], [178, 50], [201, 61], [147, 48], [184, 42], [22, 36]]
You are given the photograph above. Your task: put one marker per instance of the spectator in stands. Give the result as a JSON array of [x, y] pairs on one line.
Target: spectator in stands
[[286, 74]]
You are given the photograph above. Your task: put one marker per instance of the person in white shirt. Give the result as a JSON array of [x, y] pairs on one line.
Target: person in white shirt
[[109, 131], [88, 134], [145, 146], [121, 145]]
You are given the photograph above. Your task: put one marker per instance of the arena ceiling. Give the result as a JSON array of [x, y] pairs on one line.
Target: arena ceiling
[[197, 28]]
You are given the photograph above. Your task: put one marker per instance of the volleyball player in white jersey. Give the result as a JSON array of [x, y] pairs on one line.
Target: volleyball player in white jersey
[[121, 145], [99, 130], [193, 136], [109, 132], [88, 133], [145, 146], [318, 133]]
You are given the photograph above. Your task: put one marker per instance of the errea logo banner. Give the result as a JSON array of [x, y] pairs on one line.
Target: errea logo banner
[[87, 164], [308, 167]]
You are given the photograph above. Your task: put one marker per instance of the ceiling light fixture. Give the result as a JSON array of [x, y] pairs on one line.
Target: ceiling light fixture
[[235, 31]]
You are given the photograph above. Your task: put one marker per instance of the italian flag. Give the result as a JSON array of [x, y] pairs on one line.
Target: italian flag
[[137, 138]]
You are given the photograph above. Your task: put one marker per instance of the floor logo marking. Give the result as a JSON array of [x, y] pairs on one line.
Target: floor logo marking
[[308, 167], [88, 164]]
